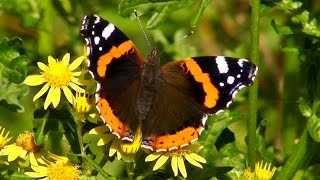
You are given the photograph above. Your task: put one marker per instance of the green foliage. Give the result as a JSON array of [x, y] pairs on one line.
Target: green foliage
[[161, 10], [13, 70]]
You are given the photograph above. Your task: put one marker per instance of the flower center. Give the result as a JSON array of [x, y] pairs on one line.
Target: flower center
[[58, 75], [26, 141], [62, 170]]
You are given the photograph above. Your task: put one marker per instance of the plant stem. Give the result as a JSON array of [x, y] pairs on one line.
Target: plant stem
[[303, 153], [253, 92], [45, 28]]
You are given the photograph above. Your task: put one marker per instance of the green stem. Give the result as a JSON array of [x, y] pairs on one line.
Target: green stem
[[130, 170], [45, 28], [253, 92], [304, 151]]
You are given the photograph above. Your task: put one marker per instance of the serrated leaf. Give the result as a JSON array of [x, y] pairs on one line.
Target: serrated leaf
[[13, 66], [11, 93], [160, 10], [216, 124], [231, 156]]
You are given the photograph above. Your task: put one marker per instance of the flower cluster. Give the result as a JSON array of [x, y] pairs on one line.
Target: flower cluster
[[261, 172]]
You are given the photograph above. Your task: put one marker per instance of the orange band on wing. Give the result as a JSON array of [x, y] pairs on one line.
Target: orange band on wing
[[181, 138], [212, 93], [115, 125], [115, 52]]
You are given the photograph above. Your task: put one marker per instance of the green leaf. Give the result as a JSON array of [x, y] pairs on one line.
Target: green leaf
[[304, 107], [11, 93], [314, 127], [231, 156], [282, 30], [216, 124], [13, 66], [160, 10], [55, 129]]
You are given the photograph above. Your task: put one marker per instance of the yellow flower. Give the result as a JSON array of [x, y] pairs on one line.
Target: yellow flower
[[4, 139], [177, 159], [59, 168], [106, 138], [24, 148], [83, 103], [57, 76], [261, 172]]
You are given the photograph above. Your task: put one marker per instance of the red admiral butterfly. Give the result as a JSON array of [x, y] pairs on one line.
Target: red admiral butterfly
[[168, 104]]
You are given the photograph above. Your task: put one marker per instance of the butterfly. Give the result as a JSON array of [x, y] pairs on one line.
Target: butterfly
[[169, 105]]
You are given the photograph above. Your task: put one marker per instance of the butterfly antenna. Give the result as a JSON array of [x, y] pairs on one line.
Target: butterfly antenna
[[144, 33], [184, 37], [178, 40]]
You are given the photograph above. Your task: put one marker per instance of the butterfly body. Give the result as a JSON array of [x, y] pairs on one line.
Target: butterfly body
[[168, 104]]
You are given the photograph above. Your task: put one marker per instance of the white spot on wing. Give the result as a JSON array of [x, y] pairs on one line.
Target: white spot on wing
[[221, 84], [230, 80], [222, 64], [100, 48], [96, 40], [107, 31]]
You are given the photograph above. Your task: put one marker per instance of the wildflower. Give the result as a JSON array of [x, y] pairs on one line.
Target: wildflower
[[58, 168], [261, 172], [177, 159], [82, 103], [106, 138], [24, 148], [57, 76], [4, 139]]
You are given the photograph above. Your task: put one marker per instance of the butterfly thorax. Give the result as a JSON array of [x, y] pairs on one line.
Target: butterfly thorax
[[151, 81]]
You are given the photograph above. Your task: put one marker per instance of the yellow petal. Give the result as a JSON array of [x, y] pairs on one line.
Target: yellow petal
[[78, 73], [15, 154], [40, 169], [182, 167], [112, 152], [192, 161], [66, 59], [35, 174], [81, 81], [51, 60], [118, 155], [34, 80], [99, 130], [160, 162], [174, 165], [49, 99], [76, 87], [33, 159], [41, 92], [104, 140], [23, 154], [56, 93], [198, 158], [42, 66], [68, 94], [76, 63], [153, 156]]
